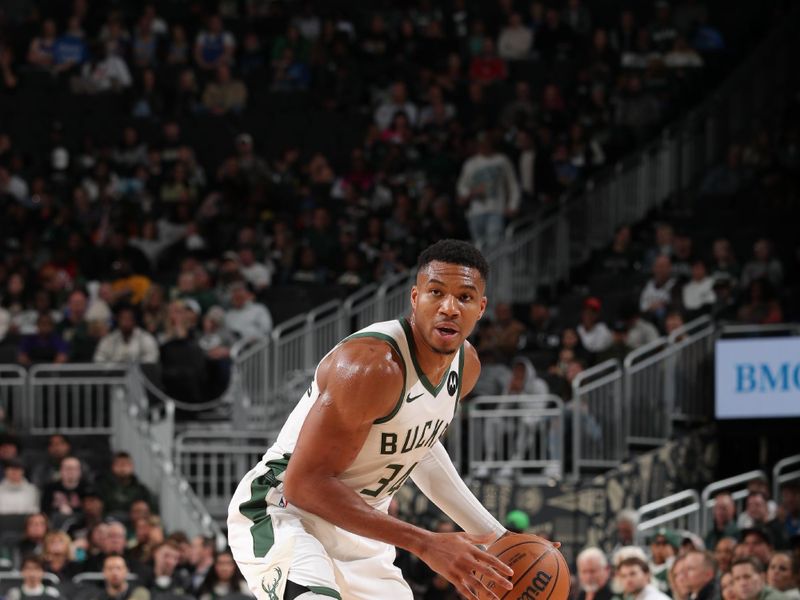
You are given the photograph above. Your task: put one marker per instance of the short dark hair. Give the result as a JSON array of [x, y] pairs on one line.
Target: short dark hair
[[634, 561], [122, 454], [757, 565], [34, 560], [455, 252]]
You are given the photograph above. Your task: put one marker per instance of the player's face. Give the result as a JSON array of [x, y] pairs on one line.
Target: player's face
[[446, 302]]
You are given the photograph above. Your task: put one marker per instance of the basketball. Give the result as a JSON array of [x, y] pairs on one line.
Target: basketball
[[540, 571]]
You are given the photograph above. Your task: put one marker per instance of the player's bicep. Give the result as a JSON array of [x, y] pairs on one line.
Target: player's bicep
[[358, 385]]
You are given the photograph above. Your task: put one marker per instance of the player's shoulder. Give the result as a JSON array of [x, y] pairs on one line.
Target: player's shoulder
[[365, 359]]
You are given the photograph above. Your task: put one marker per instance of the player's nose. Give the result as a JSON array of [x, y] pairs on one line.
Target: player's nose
[[449, 305]]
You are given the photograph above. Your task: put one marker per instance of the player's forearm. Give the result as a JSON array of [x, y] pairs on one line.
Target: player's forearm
[[334, 502], [437, 478]]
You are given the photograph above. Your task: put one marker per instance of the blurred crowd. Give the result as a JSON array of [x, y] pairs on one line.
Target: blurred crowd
[[137, 245], [87, 517]]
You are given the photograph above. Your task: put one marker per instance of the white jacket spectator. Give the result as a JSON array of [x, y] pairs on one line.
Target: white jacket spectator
[[488, 185], [17, 495], [109, 74], [595, 335], [128, 343], [398, 102], [515, 39], [246, 318], [699, 291]]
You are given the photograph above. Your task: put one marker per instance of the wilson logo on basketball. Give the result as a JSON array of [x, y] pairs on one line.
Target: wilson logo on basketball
[[537, 586]]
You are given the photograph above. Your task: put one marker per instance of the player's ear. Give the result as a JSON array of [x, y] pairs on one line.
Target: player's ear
[[483, 306], [414, 296]]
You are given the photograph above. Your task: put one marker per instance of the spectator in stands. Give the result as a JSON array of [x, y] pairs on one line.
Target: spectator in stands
[[726, 589], [656, 297], [724, 520], [183, 362], [723, 553], [701, 576], [760, 511], [516, 39], [634, 574], [257, 273], [214, 47], [593, 575], [724, 260], [17, 495], [758, 542], [245, 317], [625, 525], [782, 575], [41, 52], [749, 581], [698, 294], [523, 380], [664, 244], [541, 333], [45, 346], [166, 579], [104, 72], [763, 265], [201, 561], [128, 343], [488, 187], [32, 582], [595, 335], [640, 331], [91, 514], [58, 448], [226, 94], [74, 329], [122, 487], [396, 102], [789, 510], [62, 498], [664, 545], [726, 179], [621, 258], [115, 573], [36, 526], [677, 583], [70, 49], [57, 555], [223, 579]]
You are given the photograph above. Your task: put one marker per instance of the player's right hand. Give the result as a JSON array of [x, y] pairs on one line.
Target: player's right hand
[[456, 557]]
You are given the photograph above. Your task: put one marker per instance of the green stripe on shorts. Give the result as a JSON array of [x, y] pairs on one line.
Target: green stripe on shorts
[[255, 508], [324, 591]]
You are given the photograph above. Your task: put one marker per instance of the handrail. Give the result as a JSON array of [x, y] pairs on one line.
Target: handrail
[[687, 510], [647, 353], [724, 484], [691, 328], [779, 477]]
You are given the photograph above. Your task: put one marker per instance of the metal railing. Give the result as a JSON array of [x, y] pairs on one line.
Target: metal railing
[[179, 506], [598, 441], [518, 435], [781, 474], [72, 398], [691, 377], [648, 414], [736, 486], [214, 462], [13, 380], [677, 511]]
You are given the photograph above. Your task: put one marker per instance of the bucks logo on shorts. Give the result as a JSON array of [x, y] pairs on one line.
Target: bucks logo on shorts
[[273, 586]]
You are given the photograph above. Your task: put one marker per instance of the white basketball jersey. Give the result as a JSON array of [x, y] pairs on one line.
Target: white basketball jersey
[[397, 441]]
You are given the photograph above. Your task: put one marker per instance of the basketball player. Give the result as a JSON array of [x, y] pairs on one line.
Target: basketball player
[[310, 520]]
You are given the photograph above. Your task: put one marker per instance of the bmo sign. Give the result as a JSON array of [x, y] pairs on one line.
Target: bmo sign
[[758, 378]]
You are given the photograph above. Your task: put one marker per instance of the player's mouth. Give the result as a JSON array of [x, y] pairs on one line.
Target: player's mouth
[[447, 331]]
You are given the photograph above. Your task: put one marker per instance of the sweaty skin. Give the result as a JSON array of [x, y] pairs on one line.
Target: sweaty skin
[[360, 382]]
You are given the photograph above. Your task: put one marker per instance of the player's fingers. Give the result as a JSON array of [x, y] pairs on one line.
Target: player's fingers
[[491, 579], [465, 590], [495, 563]]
